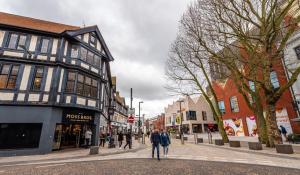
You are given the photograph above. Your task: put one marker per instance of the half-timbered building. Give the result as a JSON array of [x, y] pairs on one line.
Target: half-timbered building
[[55, 83]]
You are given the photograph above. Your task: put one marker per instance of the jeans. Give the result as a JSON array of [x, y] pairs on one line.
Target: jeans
[[120, 143], [102, 142], [157, 149], [166, 150], [128, 143]]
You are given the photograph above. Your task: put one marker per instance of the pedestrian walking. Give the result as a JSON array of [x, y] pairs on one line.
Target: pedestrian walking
[[155, 140], [120, 138], [165, 142], [102, 139], [283, 132], [148, 134], [128, 140], [88, 137]]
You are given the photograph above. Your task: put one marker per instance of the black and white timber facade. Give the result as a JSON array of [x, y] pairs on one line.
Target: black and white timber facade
[[55, 83]]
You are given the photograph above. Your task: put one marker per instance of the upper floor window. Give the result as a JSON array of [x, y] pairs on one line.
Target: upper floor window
[[297, 50], [37, 79], [86, 56], [16, 41], [204, 115], [85, 85], [234, 104], [44, 47], [252, 86], [191, 115], [83, 54], [8, 76], [74, 51], [274, 79], [221, 106]]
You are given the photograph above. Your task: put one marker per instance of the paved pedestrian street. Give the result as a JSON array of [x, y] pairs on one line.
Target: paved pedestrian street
[[183, 159]]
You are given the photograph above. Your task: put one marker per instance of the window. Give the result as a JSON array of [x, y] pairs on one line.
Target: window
[[80, 83], [297, 50], [252, 86], [234, 104], [90, 58], [204, 115], [97, 61], [274, 79], [15, 41], [74, 51], [83, 54], [71, 82], [93, 40], [44, 45], [221, 106], [94, 90], [37, 79], [8, 76], [191, 115]]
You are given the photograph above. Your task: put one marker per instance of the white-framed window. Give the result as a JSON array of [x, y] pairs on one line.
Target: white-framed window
[[234, 104], [221, 106], [274, 79]]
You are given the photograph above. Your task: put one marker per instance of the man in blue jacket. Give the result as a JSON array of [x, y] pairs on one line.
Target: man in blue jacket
[[155, 140]]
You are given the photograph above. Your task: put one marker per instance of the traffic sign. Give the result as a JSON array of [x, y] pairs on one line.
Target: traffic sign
[[130, 119]]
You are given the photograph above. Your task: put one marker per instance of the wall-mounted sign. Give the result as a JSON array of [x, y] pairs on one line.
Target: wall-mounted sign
[[75, 116]]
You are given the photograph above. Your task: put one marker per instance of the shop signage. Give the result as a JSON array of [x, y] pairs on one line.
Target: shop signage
[[72, 116]]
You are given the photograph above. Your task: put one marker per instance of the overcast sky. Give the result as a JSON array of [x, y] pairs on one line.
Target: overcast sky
[[137, 32]]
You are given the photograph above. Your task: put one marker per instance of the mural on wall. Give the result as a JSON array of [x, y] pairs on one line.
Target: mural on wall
[[282, 119], [252, 127], [234, 127]]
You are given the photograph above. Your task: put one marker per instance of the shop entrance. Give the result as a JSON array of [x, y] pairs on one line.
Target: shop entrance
[[69, 136]]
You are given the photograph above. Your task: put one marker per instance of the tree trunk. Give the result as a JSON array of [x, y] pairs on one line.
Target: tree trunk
[[222, 130], [273, 132], [262, 127]]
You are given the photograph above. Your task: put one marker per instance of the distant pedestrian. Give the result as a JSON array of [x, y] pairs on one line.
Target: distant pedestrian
[[102, 139], [148, 134], [120, 138], [155, 140], [88, 137], [165, 142], [128, 139], [283, 132]]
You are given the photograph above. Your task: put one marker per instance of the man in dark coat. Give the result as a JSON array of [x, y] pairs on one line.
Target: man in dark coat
[[120, 138], [128, 139], [155, 140]]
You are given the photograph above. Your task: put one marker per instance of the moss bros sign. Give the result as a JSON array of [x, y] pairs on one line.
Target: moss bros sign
[[72, 116]]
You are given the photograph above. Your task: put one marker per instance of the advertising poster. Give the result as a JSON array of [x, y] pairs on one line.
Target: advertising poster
[[252, 126], [283, 120], [234, 127]]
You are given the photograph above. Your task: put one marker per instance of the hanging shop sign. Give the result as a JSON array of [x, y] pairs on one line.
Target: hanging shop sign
[[75, 116]]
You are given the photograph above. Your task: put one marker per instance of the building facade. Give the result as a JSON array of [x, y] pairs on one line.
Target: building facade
[[55, 84], [119, 120], [197, 115]]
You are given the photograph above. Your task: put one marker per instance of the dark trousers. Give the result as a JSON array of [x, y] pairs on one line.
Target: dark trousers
[[157, 149], [128, 143], [120, 143], [87, 143], [102, 142]]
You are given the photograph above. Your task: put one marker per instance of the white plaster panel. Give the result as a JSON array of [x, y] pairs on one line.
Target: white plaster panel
[[94, 70], [52, 59], [98, 45], [80, 101], [42, 57], [54, 47], [84, 65], [66, 48], [1, 36], [34, 97], [60, 80], [73, 62], [25, 77], [32, 43], [86, 37], [68, 99], [92, 103], [5, 96], [57, 98], [45, 98], [64, 60], [14, 54], [21, 97], [48, 79]]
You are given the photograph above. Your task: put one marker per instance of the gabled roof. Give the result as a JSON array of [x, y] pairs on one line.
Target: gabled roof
[[32, 23], [74, 33]]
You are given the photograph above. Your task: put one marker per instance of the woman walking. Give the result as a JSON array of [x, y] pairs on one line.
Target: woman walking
[[165, 142], [120, 138]]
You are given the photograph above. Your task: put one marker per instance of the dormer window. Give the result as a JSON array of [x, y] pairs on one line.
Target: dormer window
[[16, 41]]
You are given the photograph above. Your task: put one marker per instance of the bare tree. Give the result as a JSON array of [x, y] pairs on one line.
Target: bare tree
[[248, 37]]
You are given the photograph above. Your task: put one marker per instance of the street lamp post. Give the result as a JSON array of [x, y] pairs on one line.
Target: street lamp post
[[181, 131], [139, 125]]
